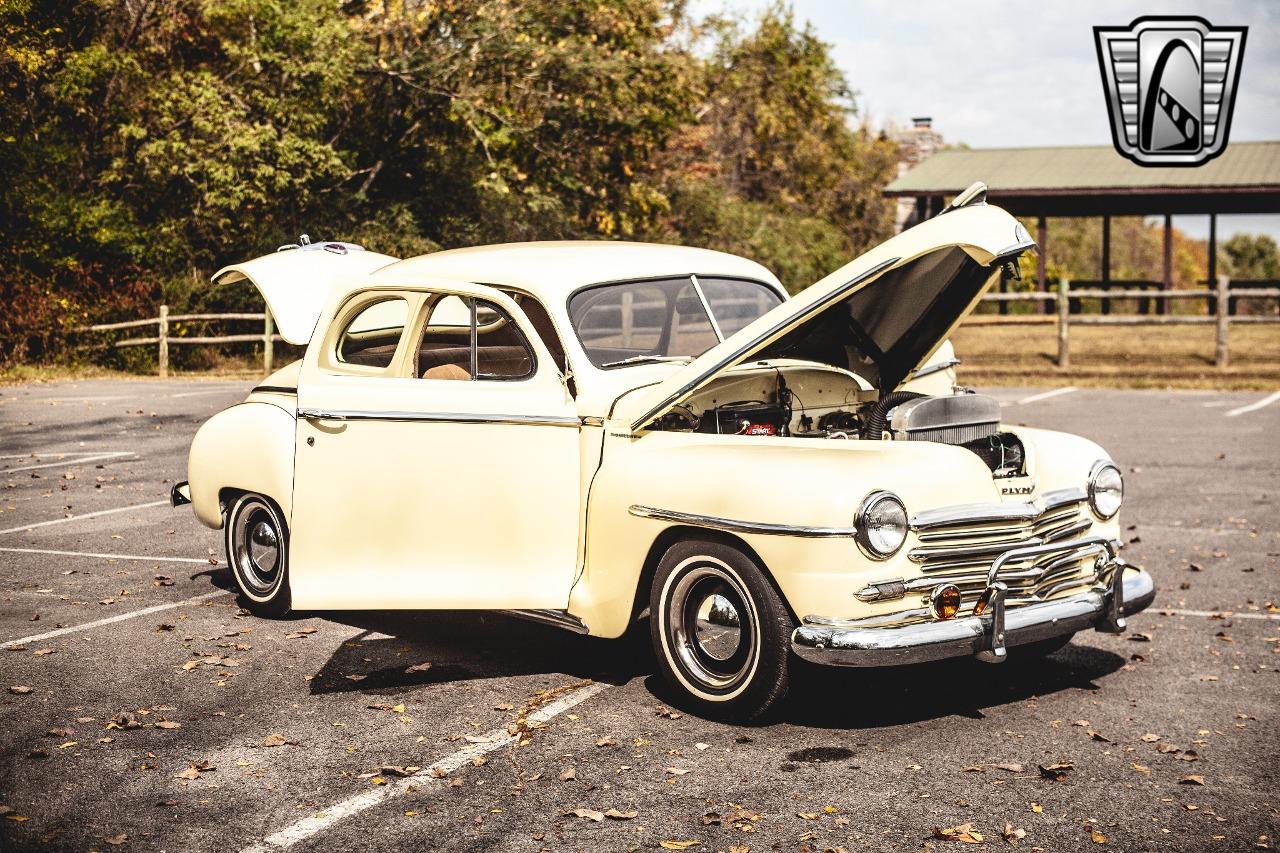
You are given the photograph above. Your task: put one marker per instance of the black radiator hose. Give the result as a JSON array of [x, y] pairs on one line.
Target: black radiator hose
[[873, 425]]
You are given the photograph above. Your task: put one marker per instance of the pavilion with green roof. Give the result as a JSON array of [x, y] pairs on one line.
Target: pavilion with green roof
[[1097, 181]]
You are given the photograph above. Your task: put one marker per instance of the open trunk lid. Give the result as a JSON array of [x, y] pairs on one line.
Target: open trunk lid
[[881, 315], [296, 282]]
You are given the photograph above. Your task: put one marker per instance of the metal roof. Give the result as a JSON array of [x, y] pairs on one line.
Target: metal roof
[[1084, 170]]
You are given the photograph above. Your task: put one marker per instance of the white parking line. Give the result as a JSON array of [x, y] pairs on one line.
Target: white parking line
[[235, 390], [493, 741], [1253, 407], [119, 617], [104, 556], [1221, 614], [102, 398], [1045, 395], [82, 459], [81, 517]]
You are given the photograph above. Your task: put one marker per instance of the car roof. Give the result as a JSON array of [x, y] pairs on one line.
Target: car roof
[[551, 271]]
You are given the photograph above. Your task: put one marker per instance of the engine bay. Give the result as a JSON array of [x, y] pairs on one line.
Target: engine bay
[[767, 399]]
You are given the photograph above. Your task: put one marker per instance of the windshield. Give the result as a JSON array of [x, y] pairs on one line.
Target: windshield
[[664, 319]]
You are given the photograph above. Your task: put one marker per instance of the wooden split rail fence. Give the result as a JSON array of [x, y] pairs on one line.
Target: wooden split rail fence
[[163, 339], [1063, 319], [1064, 295]]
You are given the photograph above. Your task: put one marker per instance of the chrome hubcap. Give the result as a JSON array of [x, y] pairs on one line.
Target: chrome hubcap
[[257, 551], [711, 628], [719, 627]]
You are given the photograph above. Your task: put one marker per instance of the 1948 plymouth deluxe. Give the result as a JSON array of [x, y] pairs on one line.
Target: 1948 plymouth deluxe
[[592, 433]]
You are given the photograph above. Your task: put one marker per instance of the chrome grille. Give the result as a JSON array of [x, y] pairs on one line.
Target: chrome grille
[[959, 544]]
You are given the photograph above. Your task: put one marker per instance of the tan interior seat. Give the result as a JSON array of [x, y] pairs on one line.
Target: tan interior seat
[[446, 371]]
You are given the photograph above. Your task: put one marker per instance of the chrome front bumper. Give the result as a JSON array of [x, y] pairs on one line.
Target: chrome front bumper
[[1128, 590]]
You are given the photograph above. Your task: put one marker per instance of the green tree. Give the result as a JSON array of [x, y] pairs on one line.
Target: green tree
[[148, 142], [1250, 256], [799, 181]]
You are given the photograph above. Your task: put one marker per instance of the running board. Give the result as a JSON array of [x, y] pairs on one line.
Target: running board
[[558, 618]]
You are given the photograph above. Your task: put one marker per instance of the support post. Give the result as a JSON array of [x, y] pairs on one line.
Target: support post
[[1064, 318], [1106, 262], [628, 317], [1166, 281], [1224, 319], [163, 335], [1213, 256], [1042, 258], [268, 342]]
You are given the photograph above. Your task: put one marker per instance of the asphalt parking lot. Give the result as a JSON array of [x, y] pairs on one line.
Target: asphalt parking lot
[[142, 710]]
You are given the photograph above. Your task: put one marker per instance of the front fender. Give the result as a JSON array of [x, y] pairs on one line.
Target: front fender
[[248, 447], [802, 482]]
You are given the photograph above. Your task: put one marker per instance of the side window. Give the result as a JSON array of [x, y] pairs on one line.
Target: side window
[[501, 350], [371, 338], [466, 338], [536, 313]]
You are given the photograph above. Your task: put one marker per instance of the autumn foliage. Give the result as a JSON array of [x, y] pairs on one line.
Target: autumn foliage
[[148, 142]]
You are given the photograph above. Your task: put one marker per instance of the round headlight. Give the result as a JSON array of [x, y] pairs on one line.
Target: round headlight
[[1106, 489], [881, 525]]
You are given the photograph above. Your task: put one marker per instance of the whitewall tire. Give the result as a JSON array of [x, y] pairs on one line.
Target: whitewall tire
[[720, 632], [257, 541]]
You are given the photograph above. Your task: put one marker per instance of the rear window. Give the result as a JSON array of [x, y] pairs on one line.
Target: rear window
[[371, 338]]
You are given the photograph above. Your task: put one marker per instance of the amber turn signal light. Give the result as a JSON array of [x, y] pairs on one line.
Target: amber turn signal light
[[945, 601]]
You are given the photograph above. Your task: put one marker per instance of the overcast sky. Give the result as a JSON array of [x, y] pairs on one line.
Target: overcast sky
[[995, 74]]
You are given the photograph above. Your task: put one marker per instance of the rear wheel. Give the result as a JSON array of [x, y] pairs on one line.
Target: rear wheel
[[257, 551], [720, 631]]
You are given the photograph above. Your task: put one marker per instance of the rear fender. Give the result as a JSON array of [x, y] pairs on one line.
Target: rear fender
[[248, 447]]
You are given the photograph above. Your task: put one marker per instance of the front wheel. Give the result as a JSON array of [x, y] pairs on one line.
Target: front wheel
[[720, 631], [257, 551]]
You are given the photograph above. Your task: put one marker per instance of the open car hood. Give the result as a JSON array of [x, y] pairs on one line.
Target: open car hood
[[297, 282], [881, 315]]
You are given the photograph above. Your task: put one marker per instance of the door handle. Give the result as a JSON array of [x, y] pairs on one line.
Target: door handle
[[319, 415]]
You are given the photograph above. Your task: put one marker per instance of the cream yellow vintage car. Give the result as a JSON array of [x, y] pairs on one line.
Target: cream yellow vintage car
[[595, 433]]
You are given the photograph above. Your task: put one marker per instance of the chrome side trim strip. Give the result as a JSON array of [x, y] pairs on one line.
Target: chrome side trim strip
[[557, 618], [733, 526], [439, 417]]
